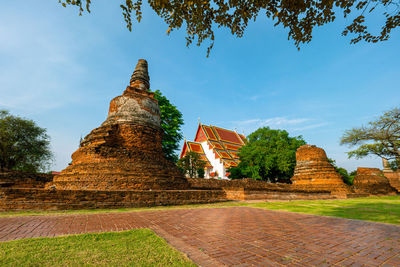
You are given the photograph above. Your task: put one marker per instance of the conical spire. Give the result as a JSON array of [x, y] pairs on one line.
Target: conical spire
[[140, 77]]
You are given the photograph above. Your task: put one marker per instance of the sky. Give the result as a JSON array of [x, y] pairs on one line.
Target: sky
[[61, 70]]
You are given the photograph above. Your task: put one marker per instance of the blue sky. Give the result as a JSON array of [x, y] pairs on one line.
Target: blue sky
[[62, 70]]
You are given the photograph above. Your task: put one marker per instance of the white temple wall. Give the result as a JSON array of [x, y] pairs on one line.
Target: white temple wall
[[217, 164]]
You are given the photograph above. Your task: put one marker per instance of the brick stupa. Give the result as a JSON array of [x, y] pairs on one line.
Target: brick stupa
[[125, 152], [313, 171]]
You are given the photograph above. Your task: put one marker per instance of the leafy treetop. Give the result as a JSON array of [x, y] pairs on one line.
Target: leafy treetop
[[269, 155], [171, 122], [380, 137], [300, 16]]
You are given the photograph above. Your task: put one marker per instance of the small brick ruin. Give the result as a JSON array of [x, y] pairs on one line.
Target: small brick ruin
[[372, 181], [393, 177], [125, 152], [314, 171]]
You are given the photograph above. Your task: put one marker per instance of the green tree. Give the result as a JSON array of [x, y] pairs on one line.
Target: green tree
[[300, 16], [381, 138], [236, 173], [348, 178], [191, 165], [269, 155], [23, 145], [171, 122]]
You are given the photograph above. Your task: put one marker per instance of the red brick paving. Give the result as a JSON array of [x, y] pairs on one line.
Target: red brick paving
[[236, 236]]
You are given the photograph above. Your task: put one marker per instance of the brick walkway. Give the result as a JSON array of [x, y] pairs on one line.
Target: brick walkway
[[236, 235]]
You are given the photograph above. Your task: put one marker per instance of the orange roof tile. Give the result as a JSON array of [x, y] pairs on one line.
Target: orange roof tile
[[234, 154], [243, 138], [217, 145], [195, 147], [230, 163], [210, 133], [223, 154], [232, 147], [228, 136]]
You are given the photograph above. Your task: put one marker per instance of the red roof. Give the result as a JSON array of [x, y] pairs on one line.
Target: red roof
[[225, 143], [196, 148], [228, 136]]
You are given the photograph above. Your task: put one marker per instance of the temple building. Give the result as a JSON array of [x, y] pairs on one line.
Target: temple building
[[218, 147]]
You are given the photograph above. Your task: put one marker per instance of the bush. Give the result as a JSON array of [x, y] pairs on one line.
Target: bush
[[346, 177], [235, 173], [200, 172]]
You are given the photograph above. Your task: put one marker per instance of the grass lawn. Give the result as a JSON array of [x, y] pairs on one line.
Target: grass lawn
[[129, 248], [378, 209]]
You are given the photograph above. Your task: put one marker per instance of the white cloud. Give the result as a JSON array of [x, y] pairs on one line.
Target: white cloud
[[254, 97], [311, 126], [284, 123]]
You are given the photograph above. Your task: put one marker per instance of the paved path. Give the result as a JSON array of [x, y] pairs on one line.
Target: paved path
[[236, 235]]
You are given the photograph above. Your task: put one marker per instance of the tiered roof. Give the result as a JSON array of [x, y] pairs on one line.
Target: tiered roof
[[224, 143], [196, 148]]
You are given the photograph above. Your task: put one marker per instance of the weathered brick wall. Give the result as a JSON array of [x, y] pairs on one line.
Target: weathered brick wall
[[282, 195], [372, 181], [43, 199], [19, 179], [251, 184], [249, 189], [248, 183], [394, 178]]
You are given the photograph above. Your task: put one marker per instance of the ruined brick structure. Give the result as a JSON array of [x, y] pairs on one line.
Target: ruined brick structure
[[313, 171], [372, 181], [19, 179], [125, 152]]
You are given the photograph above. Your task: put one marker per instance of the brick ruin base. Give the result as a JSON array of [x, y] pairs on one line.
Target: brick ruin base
[[393, 177], [19, 179], [249, 189], [201, 191], [45, 199], [372, 181]]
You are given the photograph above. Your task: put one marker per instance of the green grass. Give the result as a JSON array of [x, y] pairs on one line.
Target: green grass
[[378, 209], [129, 248]]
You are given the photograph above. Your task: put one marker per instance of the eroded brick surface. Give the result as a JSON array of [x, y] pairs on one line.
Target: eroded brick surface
[[313, 171], [394, 178], [236, 236], [372, 181], [19, 179], [44, 199]]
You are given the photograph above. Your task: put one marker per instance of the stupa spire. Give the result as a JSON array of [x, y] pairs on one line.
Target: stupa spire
[[140, 77]]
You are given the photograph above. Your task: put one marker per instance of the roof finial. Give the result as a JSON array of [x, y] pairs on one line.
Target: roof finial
[[199, 121], [140, 77]]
